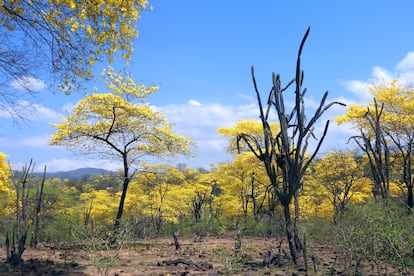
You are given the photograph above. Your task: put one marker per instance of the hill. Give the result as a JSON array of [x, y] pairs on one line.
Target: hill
[[79, 173]]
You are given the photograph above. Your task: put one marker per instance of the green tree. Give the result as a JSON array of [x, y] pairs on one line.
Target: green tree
[[120, 125]]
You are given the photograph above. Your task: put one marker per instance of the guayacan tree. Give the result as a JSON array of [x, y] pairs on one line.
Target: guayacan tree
[[5, 173], [119, 124], [60, 41], [284, 152], [386, 131], [340, 177], [249, 177]]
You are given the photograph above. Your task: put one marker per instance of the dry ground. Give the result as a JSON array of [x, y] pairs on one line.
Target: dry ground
[[208, 256]]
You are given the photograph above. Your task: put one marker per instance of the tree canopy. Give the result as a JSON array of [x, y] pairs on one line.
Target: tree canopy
[[386, 133], [120, 125], [59, 41], [119, 122]]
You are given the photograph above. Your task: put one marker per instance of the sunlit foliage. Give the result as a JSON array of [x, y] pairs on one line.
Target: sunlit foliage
[[6, 194], [120, 125], [4, 174], [246, 188], [65, 37], [105, 123], [336, 179], [251, 127], [388, 121]]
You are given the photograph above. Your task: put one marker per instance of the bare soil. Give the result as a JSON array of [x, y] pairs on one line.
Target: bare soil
[[207, 256]]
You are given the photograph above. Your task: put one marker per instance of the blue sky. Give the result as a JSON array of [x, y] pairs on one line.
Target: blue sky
[[200, 52]]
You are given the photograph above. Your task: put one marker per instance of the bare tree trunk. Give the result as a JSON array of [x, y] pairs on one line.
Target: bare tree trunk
[[290, 233], [121, 204], [39, 198], [123, 195], [410, 196]]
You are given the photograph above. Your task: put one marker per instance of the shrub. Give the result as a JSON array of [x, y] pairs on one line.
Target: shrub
[[379, 232]]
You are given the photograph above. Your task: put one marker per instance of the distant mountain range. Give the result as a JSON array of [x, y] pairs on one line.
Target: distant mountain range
[[79, 173]]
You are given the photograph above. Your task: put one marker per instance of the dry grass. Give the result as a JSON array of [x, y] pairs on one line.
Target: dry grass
[[209, 256]]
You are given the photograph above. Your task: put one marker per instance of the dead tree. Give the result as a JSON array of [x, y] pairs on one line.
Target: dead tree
[[373, 143], [406, 153], [39, 199], [404, 143], [21, 226], [197, 203], [284, 154]]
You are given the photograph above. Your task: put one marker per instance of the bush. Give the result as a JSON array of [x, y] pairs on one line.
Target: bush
[[59, 228], [379, 232], [319, 230], [265, 227]]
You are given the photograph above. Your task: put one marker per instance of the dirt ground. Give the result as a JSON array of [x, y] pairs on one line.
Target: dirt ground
[[207, 256]]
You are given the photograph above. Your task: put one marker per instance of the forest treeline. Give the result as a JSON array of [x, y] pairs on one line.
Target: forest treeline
[[337, 205], [163, 198]]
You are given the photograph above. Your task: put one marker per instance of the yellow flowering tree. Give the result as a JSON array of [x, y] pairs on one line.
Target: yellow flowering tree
[[252, 127], [339, 179], [247, 177], [120, 125], [162, 203], [60, 40], [99, 206], [4, 174], [5, 192], [245, 180], [388, 120]]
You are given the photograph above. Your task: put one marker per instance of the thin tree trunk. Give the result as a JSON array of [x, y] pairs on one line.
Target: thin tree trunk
[[121, 204], [123, 195], [410, 196], [38, 209]]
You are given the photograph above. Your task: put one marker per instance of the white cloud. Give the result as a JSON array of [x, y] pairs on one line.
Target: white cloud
[[200, 123], [190, 117], [381, 74], [46, 114], [31, 111], [39, 112], [28, 83], [407, 63], [359, 89], [404, 73], [194, 103]]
